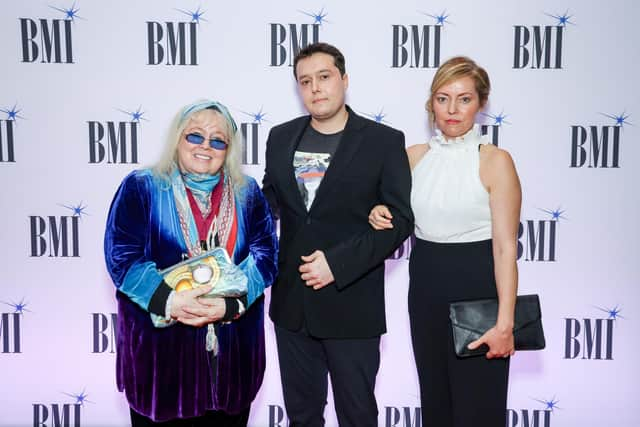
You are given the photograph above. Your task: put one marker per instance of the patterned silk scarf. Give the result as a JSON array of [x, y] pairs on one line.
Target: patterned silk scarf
[[224, 225]]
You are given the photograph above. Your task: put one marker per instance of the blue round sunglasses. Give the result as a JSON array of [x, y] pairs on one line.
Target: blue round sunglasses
[[215, 143]]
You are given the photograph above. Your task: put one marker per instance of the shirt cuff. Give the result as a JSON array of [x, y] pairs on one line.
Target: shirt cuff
[[158, 302], [234, 309], [167, 310]]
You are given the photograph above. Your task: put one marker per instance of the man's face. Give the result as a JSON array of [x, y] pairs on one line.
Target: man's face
[[321, 86]]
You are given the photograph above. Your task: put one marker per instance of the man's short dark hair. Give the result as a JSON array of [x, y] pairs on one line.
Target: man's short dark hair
[[338, 58]]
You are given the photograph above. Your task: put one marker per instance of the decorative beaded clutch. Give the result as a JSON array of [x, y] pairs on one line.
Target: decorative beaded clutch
[[213, 268]]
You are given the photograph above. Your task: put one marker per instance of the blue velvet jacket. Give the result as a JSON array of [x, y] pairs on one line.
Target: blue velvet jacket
[[166, 373]]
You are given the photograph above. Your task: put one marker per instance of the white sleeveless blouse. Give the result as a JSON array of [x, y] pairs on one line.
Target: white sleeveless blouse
[[449, 202]]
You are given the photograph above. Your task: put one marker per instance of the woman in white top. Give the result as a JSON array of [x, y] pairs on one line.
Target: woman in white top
[[466, 201]]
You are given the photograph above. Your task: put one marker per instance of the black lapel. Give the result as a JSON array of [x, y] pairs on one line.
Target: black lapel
[[349, 144], [285, 162]]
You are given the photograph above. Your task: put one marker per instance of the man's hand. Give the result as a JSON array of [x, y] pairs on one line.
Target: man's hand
[[315, 271]]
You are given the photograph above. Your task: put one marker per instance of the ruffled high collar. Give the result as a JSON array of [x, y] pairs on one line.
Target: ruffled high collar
[[470, 139]]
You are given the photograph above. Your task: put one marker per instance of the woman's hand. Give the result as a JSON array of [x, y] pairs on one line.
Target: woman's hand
[[500, 342], [190, 308], [380, 218]]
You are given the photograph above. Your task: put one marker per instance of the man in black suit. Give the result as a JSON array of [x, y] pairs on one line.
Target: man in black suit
[[324, 172]]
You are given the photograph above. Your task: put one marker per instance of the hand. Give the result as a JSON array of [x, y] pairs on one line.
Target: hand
[[212, 310], [500, 343], [316, 271], [184, 299], [190, 308], [380, 218]]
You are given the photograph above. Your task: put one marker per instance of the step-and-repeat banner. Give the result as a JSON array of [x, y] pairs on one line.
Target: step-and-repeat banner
[[87, 92]]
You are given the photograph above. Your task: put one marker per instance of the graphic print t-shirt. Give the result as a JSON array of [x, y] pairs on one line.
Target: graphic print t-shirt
[[311, 160]]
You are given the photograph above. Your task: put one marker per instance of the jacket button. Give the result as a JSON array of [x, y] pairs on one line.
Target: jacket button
[[308, 220]]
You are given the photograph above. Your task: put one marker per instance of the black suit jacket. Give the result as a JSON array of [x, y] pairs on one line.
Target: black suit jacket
[[369, 167]]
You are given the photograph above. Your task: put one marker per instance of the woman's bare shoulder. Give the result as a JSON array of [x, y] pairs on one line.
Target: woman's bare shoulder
[[496, 157], [416, 153]]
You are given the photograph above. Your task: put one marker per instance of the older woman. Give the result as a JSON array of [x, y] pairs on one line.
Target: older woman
[[207, 365], [466, 201]]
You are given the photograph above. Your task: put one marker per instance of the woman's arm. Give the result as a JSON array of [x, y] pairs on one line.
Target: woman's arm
[[124, 247], [499, 176], [133, 273], [504, 198]]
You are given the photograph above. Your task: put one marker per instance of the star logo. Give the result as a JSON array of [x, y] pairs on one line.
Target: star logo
[[12, 114], [498, 119], [80, 398], [77, 210], [318, 18], [18, 308], [563, 20], [136, 115], [620, 119], [441, 19], [256, 117], [613, 313], [377, 117], [550, 405], [70, 13], [556, 214], [196, 16]]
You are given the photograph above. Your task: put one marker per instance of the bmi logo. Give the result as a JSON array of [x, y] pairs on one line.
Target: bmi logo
[[393, 416], [103, 332], [492, 130], [10, 328], [533, 417], [591, 338], [538, 238], [249, 131], [174, 43], [7, 129], [597, 146], [57, 235], [277, 416], [402, 417], [540, 46], [115, 141], [49, 40], [286, 40], [61, 414], [418, 46]]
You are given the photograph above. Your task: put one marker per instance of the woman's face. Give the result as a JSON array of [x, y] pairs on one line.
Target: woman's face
[[202, 157], [455, 106]]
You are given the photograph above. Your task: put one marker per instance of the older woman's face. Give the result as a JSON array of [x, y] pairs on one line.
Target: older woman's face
[[202, 158], [455, 106]]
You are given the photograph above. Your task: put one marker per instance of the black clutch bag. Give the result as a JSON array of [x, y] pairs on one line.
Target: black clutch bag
[[471, 319]]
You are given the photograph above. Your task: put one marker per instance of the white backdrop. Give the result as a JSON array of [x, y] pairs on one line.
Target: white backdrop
[[69, 70]]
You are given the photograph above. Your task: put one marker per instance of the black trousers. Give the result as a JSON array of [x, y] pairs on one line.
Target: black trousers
[[454, 392], [351, 363], [209, 419]]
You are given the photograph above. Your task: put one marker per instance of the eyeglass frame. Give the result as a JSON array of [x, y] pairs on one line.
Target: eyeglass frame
[[215, 143]]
